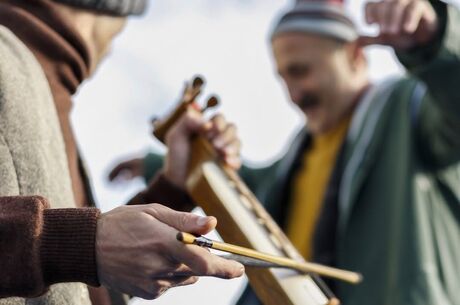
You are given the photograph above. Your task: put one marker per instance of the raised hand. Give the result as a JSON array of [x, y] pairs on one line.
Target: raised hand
[[403, 24], [138, 254]]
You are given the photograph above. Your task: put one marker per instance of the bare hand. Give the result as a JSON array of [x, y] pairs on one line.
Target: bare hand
[[127, 170], [403, 24], [218, 131], [138, 254]]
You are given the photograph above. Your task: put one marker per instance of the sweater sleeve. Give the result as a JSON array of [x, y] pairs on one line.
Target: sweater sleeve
[[42, 246], [151, 165], [437, 66], [160, 190]]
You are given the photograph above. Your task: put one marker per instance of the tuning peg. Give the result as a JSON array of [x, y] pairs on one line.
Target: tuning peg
[[212, 102], [198, 81]]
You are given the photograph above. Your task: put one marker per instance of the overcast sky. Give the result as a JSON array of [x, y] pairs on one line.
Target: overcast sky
[[223, 40]]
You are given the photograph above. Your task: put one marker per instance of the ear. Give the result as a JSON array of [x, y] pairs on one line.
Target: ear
[[355, 53]]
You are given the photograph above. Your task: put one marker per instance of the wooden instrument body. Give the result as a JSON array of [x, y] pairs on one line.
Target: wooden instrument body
[[219, 192]]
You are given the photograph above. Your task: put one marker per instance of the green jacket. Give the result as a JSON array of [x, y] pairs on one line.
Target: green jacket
[[398, 193]]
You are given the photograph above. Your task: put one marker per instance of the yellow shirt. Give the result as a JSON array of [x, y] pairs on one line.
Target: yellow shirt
[[309, 187]]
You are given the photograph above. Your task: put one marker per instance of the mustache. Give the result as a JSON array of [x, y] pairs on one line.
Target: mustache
[[308, 100]]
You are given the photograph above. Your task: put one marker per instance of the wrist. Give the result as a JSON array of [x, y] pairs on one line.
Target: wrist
[[417, 58], [174, 174]]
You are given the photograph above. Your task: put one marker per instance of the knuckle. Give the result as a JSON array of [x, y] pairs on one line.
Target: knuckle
[[203, 267], [162, 248], [232, 126], [190, 114], [216, 118], [162, 290], [384, 31], [232, 129], [412, 5], [150, 295], [155, 295], [155, 206], [147, 296], [219, 120], [152, 210], [156, 290], [152, 272], [394, 31], [183, 220], [147, 291]]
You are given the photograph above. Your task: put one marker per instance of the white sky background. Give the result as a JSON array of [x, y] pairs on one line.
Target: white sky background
[[227, 42]]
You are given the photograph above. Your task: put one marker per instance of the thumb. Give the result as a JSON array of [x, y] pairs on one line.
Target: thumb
[[182, 221]]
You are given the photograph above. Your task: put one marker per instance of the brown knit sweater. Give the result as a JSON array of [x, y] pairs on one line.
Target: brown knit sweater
[[41, 246]]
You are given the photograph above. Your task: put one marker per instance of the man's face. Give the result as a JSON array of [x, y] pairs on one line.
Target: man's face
[[318, 75]]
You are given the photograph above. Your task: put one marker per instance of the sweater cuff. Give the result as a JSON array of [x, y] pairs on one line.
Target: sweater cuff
[[67, 247]]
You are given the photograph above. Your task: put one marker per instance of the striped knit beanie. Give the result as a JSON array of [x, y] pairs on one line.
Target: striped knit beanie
[[322, 17], [110, 7]]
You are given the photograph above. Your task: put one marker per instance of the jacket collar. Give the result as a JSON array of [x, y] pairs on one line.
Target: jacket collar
[[361, 146]]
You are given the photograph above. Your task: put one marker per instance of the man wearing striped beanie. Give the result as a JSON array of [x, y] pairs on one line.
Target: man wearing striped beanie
[[371, 183]]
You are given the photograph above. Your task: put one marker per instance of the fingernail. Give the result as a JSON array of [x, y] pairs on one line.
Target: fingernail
[[201, 221]]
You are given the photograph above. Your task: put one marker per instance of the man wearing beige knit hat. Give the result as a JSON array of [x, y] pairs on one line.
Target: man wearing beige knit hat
[[53, 243]]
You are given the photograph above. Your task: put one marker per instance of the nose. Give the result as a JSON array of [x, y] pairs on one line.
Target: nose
[[297, 87]]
